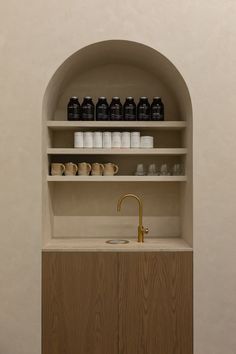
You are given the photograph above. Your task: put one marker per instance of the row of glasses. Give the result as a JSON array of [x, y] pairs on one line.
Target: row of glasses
[[152, 170]]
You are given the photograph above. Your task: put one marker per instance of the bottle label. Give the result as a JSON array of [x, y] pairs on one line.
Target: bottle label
[[87, 113], [116, 112], [157, 112], [73, 113], [157, 115], [102, 113], [143, 116], [130, 113], [143, 113]]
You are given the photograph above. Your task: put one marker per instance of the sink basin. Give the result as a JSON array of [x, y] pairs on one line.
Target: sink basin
[[117, 242]]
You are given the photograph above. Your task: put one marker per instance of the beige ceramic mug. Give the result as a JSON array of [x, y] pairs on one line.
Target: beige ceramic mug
[[57, 169], [97, 169], [110, 169], [84, 169], [70, 169]]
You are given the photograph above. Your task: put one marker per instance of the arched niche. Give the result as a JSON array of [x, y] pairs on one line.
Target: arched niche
[[118, 67], [123, 68]]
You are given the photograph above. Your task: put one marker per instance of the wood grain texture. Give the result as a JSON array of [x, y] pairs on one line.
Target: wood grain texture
[[80, 303], [155, 303]]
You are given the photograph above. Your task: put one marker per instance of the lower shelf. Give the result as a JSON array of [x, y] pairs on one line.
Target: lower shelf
[[116, 178], [116, 151]]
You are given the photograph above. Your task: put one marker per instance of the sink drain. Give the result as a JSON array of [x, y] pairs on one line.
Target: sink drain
[[117, 242]]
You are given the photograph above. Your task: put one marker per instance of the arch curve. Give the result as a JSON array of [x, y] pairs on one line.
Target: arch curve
[[116, 60]]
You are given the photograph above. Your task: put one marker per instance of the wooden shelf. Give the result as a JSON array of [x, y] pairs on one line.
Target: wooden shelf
[[154, 151], [69, 125], [116, 178]]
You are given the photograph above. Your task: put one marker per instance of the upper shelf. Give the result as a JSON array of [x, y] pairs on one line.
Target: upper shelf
[[69, 125], [154, 151]]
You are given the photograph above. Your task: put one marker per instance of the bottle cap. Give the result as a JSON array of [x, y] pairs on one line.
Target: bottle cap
[[143, 98], [129, 98], [157, 98], [74, 98], [115, 98], [88, 97], [102, 98]]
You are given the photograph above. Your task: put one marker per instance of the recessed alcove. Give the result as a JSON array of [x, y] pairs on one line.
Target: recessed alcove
[[76, 209]]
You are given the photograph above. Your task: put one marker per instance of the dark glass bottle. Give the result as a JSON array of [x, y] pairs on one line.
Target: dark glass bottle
[[102, 109], [157, 109], [116, 111], [129, 109], [73, 109], [143, 109], [87, 109]]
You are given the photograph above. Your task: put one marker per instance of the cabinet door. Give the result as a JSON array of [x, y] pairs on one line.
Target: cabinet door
[[155, 303], [80, 303]]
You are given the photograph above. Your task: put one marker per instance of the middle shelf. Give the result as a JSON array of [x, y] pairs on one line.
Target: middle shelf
[[154, 151]]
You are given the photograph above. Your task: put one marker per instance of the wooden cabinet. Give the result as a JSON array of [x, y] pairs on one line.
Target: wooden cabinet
[[117, 303], [80, 303], [155, 303]]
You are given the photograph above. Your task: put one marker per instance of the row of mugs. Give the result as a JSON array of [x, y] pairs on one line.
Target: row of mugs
[[107, 140], [84, 169]]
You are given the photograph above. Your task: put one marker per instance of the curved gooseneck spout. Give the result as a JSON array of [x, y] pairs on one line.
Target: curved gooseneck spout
[[141, 229]]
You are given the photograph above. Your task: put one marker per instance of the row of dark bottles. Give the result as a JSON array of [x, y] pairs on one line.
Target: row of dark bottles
[[115, 111]]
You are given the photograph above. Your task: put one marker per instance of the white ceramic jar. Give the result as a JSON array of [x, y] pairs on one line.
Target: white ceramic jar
[[135, 140], [125, 140], [78, 140], [146, 142], [106, 140], [116, 140], [97, 140], [88, 140]]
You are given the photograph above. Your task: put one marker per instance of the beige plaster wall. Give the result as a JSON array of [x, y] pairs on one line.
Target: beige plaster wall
[[199, 37]]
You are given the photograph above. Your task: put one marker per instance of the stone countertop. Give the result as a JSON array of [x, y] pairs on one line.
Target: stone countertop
[[99, 244]]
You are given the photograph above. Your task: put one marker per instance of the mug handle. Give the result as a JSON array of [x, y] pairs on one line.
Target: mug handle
[[116, 169], [76, 167], [102, 167], [63, 168], [89, 167]]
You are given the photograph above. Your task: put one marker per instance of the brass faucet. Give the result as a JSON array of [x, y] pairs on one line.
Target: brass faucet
[[141, 229]]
